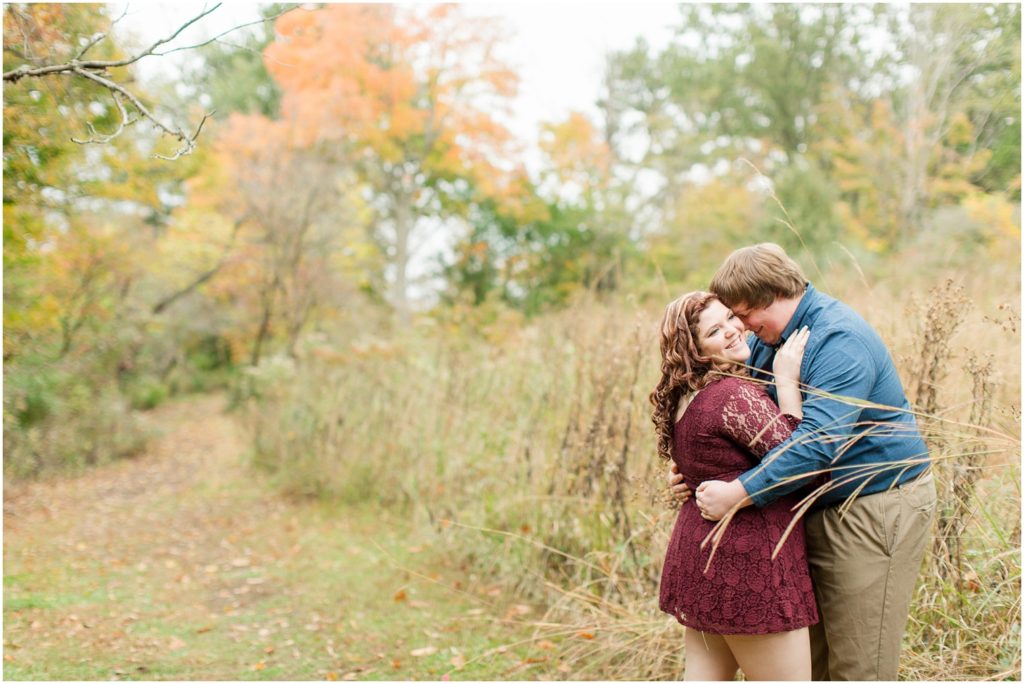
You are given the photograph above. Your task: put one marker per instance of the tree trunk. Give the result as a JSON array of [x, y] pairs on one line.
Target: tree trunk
[[403, 231]]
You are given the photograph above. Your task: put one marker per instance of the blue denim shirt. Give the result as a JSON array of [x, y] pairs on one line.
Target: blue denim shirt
[[857, 422]]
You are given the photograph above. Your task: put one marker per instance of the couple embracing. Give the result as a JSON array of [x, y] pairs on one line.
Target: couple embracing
[[807, 409]]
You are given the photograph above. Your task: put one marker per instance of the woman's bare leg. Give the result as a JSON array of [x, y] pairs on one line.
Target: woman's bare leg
[[708, 657], [780, 656]]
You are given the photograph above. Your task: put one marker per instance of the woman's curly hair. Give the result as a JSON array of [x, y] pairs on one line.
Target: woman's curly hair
[[683, 368]]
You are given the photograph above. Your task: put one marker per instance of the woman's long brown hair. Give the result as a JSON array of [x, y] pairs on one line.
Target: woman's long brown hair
[[683, 368]]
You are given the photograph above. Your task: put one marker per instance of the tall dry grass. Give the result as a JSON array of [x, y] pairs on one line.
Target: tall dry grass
[[529, 449]]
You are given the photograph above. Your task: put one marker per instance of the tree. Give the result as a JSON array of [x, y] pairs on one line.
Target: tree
[[59, 195], [565, 233], [291, 208], [229, 77], [738, 81], [963, 60], [407, 93]]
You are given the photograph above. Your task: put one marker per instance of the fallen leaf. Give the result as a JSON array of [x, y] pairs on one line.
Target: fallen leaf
[[268, 650], [397, 664], [331, 676], [425, 651], [458, 661], [400, 595], [521, 609], [204, 629], [8, 657], [415, 549], [259, 666], [445, 522], [972, 581], [546, 645], [585, 635]]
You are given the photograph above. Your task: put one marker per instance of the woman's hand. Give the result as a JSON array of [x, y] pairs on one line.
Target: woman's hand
[[715, 498], [680, 490], [788, 358]]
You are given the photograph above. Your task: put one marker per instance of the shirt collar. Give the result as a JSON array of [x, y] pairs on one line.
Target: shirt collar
[[796, 321]]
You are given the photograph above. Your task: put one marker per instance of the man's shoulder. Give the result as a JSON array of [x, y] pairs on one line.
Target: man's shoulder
[[829, 315], [839, 332]]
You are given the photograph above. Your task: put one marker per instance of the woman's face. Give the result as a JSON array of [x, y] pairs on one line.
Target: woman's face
[[720, 334]]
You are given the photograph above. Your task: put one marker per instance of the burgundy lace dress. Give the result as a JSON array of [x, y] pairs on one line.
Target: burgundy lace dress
[[729, 425]]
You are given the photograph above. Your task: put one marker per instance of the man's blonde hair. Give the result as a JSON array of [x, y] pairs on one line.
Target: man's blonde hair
[[756, 276]]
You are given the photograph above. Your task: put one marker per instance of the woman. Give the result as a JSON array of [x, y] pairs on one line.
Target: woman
[[743, 609]]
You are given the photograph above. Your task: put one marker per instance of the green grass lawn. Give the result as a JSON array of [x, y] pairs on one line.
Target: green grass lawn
[[136, 571]]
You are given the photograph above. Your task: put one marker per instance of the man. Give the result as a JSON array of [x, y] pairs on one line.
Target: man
[[864, 556]]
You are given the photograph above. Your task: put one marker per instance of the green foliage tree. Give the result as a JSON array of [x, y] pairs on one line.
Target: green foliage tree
[[230, 75], [863, 119], [566, 232]]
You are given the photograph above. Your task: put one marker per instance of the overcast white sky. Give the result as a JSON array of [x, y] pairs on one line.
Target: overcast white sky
[[558, 48]]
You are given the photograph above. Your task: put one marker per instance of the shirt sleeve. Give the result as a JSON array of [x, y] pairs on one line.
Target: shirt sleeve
[[840, 375], [753, 421]]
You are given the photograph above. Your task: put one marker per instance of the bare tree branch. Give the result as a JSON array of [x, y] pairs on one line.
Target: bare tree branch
[[204, 277], [97, 71], [101, 35], [99, 139], [24, 70], [224, 33], [188, 142]]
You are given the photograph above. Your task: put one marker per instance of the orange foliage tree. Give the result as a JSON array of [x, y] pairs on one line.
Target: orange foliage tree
[[281, 212], [413, 96]]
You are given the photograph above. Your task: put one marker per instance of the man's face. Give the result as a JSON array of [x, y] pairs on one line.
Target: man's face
[[767, 322]]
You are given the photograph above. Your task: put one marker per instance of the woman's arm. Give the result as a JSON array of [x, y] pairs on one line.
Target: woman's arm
[[787, 373], [714, 497]]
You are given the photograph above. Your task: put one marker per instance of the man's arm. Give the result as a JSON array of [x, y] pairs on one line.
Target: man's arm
[[841, 369]]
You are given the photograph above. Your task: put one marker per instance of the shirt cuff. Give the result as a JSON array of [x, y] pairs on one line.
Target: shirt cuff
[[755, 483]]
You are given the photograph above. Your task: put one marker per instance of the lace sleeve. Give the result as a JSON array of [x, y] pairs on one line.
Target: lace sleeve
[[752, 420]]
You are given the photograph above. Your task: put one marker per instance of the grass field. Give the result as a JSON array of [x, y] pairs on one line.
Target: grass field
[[182, 565]]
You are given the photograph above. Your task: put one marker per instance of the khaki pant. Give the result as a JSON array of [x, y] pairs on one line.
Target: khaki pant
[[864, 565]]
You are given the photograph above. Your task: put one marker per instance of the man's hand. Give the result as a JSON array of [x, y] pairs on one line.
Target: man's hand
[[680, 490], [715, 498]]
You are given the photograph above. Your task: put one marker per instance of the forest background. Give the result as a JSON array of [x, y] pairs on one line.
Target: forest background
[[260, 224]]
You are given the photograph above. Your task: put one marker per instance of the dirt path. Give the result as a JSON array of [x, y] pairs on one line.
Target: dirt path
[[182, 564]]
